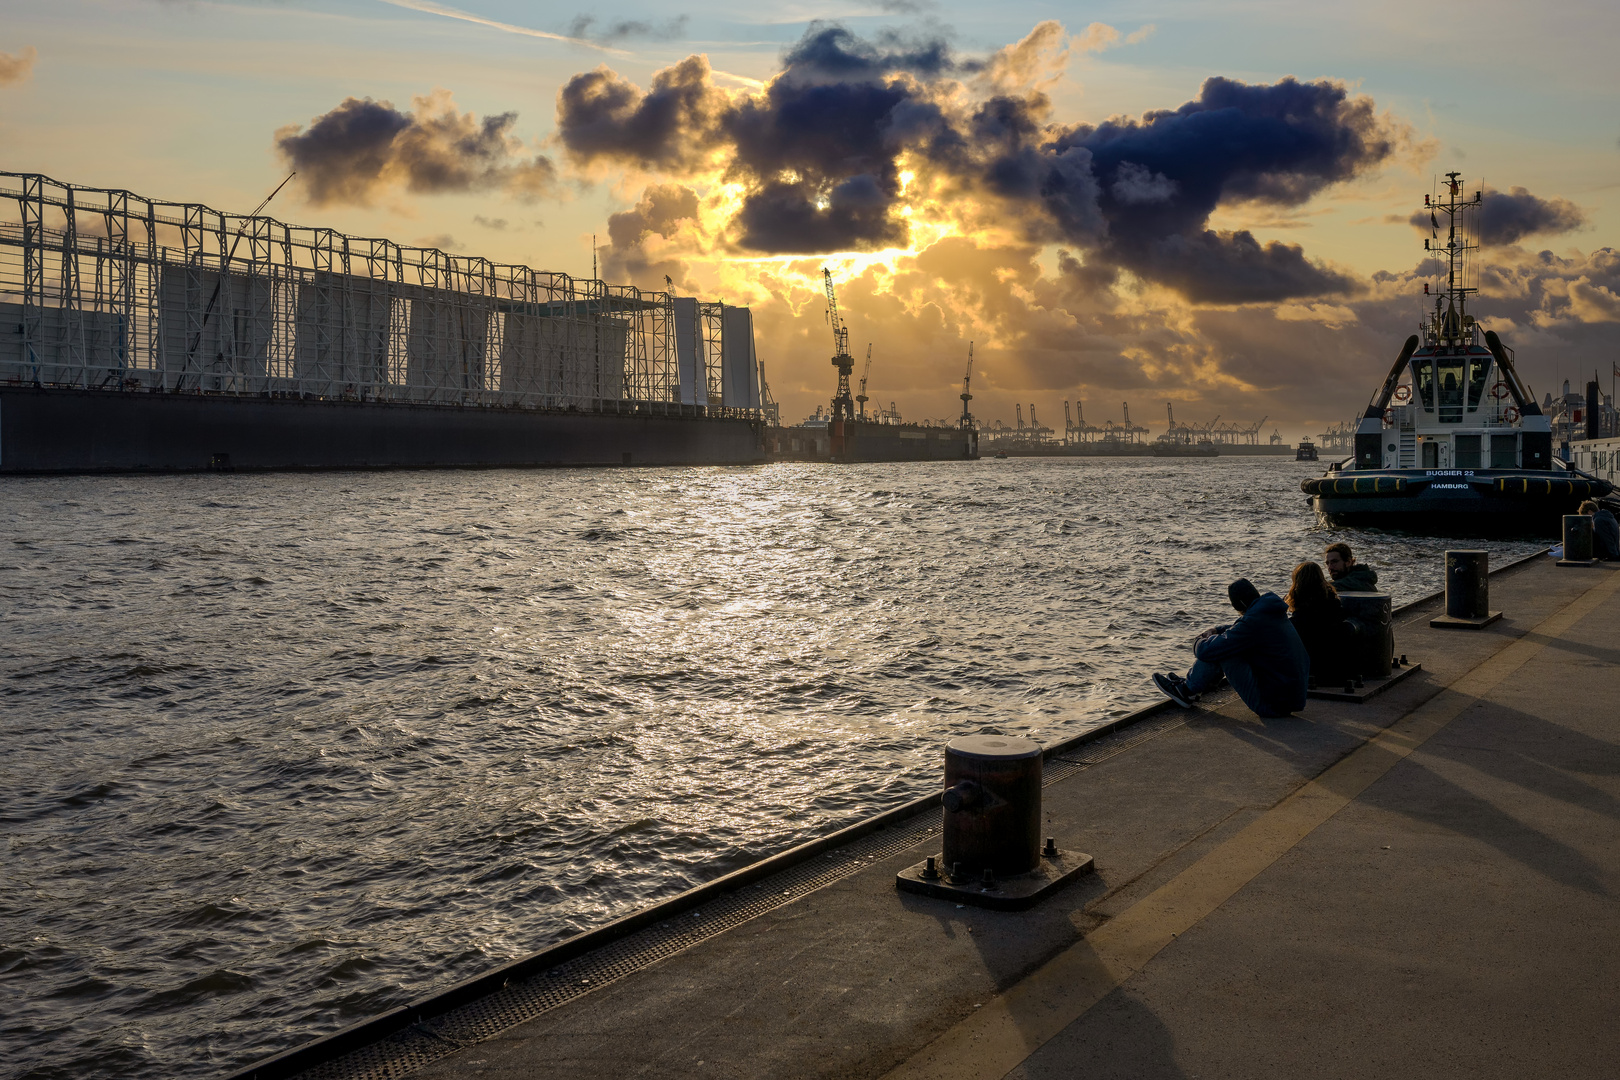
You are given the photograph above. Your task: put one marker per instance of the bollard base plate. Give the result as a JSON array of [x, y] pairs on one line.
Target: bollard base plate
[[1457, 622], [1008, 894], [1577, 562], [1367, 689]]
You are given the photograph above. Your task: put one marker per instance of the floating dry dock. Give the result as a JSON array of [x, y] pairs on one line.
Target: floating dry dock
[[1424, 884]]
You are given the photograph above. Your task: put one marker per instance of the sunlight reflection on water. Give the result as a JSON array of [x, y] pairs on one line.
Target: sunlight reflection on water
[[284, 751]]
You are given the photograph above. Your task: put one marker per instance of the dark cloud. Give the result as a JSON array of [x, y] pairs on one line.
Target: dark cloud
[[818, 154], [1235, 268], [602, 116], [1160, 178], [1507, 218], [590, 28], [364, 147], [17, 69], [829, 51]]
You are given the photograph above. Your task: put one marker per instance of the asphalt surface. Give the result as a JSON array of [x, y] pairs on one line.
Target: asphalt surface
[[1423, 884]]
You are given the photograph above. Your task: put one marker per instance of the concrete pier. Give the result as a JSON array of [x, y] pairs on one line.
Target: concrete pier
[[1426, 884]]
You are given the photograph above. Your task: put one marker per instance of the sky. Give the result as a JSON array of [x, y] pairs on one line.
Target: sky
[[1197, 203]]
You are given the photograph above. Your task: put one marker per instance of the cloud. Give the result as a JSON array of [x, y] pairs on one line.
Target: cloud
[[1508, 218], [16, 70], [818, 154], [602, 116], [363, 148], [590, 28], [830, 51], [1037, 60], [1107, 260], [639, 239]]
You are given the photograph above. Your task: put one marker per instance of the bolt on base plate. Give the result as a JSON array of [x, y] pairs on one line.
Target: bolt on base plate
[[1006, 894], [1458, 622], [1367, 689]]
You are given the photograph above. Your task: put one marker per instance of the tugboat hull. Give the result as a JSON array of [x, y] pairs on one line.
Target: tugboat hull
[[1485, 503]]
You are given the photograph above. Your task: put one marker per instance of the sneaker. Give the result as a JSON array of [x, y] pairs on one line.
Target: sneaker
[[1176, 689]]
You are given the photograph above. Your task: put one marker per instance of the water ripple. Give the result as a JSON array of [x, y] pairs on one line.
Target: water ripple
[[281, 752]]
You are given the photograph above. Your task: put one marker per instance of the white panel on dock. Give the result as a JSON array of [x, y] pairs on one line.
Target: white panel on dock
[[694, 388], [739, 373]]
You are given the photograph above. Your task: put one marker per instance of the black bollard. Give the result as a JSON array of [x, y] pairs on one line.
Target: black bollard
[[1468, 591], [992, 836], [993, 804], [1372, 644], [1577, 541]]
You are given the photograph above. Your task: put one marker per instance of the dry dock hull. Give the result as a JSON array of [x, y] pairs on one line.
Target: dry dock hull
[[83, 431], [860, 442], [1485, 503]]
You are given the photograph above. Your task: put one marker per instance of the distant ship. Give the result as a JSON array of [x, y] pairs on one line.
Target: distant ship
[[849, 435], [1452, 444], [1306, 450]]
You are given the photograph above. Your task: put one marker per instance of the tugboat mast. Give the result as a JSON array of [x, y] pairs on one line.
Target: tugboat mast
[[1450, 306]]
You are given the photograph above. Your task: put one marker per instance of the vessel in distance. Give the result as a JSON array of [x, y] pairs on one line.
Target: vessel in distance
[[1452, 443], [142, 335], [850, 434]]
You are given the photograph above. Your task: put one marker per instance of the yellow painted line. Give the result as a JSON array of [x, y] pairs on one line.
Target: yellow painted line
[[998, 1037]]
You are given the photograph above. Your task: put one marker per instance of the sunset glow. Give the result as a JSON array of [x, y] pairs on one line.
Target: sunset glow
[[1146, 207]]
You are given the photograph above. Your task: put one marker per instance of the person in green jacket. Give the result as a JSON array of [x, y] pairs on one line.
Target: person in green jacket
[[1348, 576]]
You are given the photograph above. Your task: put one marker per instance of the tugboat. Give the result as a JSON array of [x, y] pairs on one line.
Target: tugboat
[[1306, 450], [1452, 444]]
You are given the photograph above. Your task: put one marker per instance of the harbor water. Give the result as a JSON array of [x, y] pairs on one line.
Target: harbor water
[[279, 752]]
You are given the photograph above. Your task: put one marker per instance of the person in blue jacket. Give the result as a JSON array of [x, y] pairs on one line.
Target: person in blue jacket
[[1261, 655]]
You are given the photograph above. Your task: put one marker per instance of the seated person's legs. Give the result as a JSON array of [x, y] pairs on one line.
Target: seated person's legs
[[1241, 676], [1203, 676]]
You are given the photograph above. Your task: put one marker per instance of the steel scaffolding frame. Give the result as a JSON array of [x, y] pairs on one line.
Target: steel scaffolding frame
[[105, 289]]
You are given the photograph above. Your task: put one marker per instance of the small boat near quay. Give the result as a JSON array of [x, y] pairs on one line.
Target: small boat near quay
[[1452, 443]]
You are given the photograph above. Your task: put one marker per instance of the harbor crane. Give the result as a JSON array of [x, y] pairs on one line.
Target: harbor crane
[[1018, 410], [1068, 423], [861, 397], [767, 403], [843, 407], [967, 417]]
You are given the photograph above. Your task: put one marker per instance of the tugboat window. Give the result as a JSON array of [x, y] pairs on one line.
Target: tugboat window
[[1423, 378], [1479, 370], [1467, 452], [1504, 451], [1451, 389]]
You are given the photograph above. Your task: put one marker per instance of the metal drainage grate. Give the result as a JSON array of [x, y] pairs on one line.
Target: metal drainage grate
[[404, 1052]]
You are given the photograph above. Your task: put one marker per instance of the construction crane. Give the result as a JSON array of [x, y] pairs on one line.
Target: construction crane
[[967, 417], [767, 403], [861, 397], [1019, 411], [843, 408], [1068, 423]]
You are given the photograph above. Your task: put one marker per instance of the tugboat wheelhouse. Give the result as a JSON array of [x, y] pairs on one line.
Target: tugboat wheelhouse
[[1452, 443]]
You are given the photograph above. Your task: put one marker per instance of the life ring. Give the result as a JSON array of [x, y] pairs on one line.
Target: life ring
[[1403, 393], [1389, 417], [1511, 414], [1500, 391]]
